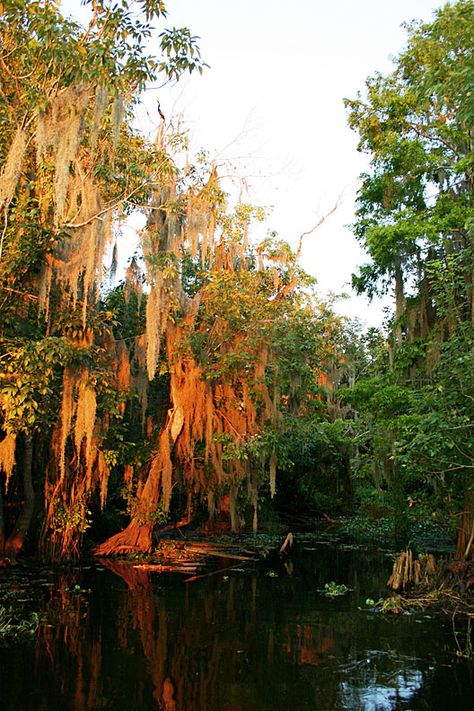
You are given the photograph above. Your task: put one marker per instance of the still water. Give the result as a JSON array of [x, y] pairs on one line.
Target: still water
[[262, 638]]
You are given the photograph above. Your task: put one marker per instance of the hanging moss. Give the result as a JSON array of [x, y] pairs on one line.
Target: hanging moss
[[7, 456], [11, 171]]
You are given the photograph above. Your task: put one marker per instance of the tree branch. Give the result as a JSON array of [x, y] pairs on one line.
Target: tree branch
[[288, 288]]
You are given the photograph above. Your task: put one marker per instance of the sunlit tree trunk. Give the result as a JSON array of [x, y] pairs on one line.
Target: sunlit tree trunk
[[16, 540], [138, 534], [2, 523]]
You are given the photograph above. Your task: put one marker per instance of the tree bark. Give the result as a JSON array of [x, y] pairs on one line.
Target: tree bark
[[16, 540], [2, 523], [134, 538], [399, 510], [465, 542], [137, 536], [399, 305]]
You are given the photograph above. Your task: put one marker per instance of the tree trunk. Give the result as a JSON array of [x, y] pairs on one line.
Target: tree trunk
[[2, 523], [399, 508], [399, 305], [465, 542], [16, 540], [133, 538], [138, 536]]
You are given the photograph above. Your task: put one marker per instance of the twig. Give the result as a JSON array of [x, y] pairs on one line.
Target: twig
[[310, 231], [21, 293]]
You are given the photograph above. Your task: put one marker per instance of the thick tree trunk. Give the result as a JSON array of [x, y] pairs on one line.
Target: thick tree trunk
[[133, 538], [16, 540], [2, 523], [137, 536], [465, 542]]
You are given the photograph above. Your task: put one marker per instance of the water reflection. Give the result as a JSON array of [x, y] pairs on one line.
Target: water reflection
[[122, 638], [374, 689]]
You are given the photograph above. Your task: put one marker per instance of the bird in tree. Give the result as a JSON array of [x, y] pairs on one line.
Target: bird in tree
[[160, 112]]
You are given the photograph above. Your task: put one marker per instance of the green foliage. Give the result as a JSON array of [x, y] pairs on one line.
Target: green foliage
[[53, 321], [334, 589], [371, 529], [113, 48], [399, 427], [13, 628], [29, 381], [415, 123], [414, 431], [391, 605], [315, 456], [253, 447], [75, 517], [78, 590], [141, 511], [181, 53]]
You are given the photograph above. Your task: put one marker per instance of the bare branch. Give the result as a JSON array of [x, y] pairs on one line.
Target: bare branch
[[315, 227], [289, 287]]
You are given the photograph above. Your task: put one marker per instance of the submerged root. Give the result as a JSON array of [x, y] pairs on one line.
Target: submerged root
[[446, 585], [408, 571], [425, 573]]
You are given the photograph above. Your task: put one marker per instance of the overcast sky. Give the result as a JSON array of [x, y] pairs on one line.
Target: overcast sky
[[271, 104]]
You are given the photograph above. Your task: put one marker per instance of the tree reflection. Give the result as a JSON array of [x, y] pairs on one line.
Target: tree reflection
[[122, 638]]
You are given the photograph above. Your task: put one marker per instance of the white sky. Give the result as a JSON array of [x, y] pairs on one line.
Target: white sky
[[271, 104]]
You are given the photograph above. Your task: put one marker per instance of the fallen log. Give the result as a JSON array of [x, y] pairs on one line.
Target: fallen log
[[158, 568], [224, 546], [218, 553]]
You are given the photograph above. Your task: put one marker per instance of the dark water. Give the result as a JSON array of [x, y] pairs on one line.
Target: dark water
[[260, 639]]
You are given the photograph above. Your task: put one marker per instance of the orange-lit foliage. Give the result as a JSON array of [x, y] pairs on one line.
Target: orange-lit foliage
[[221, 350], [214, 330]]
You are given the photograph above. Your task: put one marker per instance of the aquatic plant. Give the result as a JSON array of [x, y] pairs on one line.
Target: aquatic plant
[[14, 627], [333, 589]]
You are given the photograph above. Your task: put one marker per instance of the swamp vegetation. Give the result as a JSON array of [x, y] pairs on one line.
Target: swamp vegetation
[[210, 387]]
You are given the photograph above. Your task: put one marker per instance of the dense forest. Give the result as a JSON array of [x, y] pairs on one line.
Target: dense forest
[[212, 383]]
